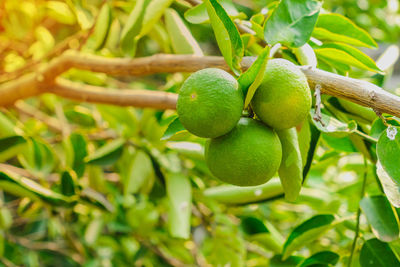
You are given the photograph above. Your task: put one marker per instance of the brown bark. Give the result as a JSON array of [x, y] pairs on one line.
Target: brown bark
[[357, 91]]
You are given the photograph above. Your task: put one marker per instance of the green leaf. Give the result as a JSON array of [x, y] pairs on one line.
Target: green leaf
[[11, 141], [225, 246], [181, 38], [391, 189], [60, 12], [291, 168], [231, 194], [140, 21], [16, 184], [198, 14], [38, 158], [304, 139], [307, 232], [332, 65], [260, 233], [251, 79], [333, 126], [138, 172], [291, 261], [188, 149], [179, 192], [305, 55], [67, 184], [7, 127], [358, 110], [358, 55], [335, 27], [154, 11], [388, 151], [378, 127], [113, 37], [228, 38], [102, 26], [253, 225], [381, 217], [83, 15], [93, 230], [107, 154], [292, 22], [174, 128], [79, 147], [339, 143], [322, 258], [375, 253], [308, 157], [91, 197], [343, 57]]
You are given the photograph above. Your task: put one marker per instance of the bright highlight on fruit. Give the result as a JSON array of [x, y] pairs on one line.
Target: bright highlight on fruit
[[248, 155], [283, 99], [210, 103]]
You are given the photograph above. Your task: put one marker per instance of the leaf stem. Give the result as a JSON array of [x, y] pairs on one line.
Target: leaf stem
[[366, 136], [353, 246]]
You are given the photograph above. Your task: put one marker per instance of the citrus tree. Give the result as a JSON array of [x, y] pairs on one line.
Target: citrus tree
[[198, 133]]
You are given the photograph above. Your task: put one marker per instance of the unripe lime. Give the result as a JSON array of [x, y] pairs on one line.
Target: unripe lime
[[210, 103], [248, 155], [283, 99]]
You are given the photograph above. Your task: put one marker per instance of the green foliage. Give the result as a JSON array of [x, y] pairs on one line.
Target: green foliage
[[381, 217], [292, 22], [227, 35], [100, 185], [377, 253]]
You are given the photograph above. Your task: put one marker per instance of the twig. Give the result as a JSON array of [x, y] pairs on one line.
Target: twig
[[379, 114], [353, 246], [30, 111], [45, 246], [257, 250], [170, 260], [366, 136], [7, 262], [318, 116]]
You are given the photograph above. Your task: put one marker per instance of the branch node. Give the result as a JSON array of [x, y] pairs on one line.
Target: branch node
[[379, 114], [372, 95]]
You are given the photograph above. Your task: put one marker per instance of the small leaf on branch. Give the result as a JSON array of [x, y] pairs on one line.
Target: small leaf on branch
[[227, 35], [252, 78], [292, 22], [338, 28]]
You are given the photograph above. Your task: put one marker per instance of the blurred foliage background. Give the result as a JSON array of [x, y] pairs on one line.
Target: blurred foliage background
[[108, 190]]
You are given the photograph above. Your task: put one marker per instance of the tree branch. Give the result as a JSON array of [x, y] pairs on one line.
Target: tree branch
[[357, 91], [95, 94]]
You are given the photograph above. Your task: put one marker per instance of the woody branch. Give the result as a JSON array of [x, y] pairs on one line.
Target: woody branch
[[45, 80]]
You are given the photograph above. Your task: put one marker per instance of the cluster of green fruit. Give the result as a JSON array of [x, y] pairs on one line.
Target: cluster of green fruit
[[246, 151]]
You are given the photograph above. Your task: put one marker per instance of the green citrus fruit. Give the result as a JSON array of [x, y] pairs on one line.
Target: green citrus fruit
[[210, 103], [283, 99], [248, 155]]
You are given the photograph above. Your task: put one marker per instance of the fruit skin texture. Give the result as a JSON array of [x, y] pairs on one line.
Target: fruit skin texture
[[210, 103], [248, 155], [283, 99]]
